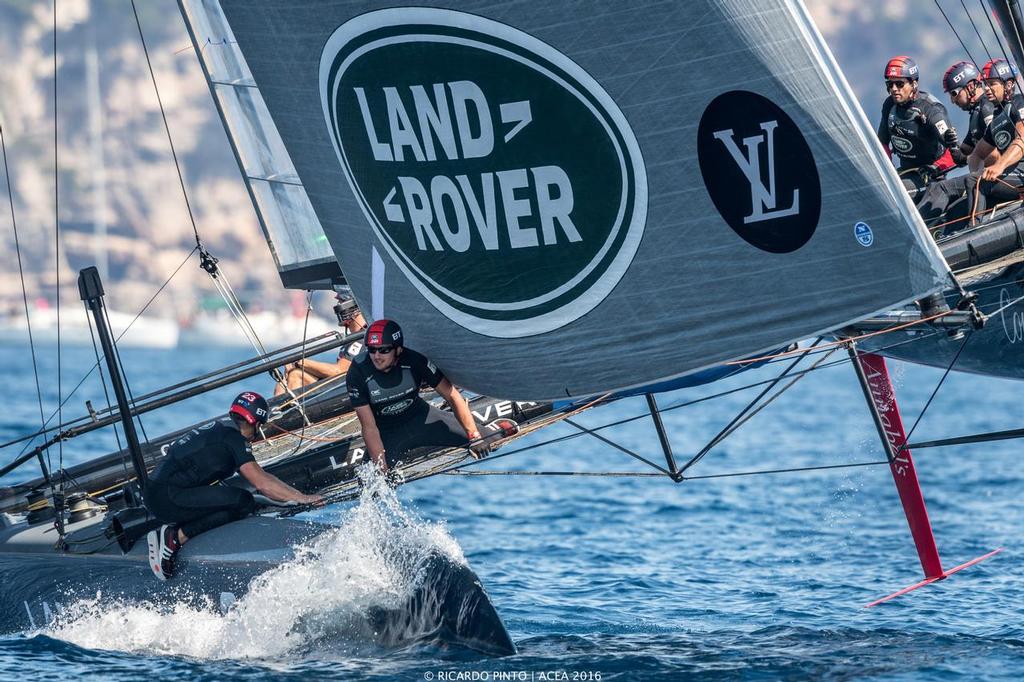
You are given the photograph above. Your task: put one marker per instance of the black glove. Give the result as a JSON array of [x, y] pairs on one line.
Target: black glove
[[959, 158], [949, 138], [917, 115]]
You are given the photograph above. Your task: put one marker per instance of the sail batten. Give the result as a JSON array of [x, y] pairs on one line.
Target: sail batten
[[563, 205]]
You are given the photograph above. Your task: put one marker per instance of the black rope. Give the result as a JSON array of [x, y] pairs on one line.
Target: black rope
[[945, 374], [167, 128], [953, 29], [24, 289], [977, 33]]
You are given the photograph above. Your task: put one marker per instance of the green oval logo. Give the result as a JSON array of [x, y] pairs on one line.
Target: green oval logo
[[499, 176]]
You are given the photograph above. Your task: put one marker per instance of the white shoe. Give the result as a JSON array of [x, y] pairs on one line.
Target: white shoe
[[163, 547]]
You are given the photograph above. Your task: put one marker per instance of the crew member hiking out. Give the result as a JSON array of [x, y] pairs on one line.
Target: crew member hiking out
[[915, 127], [307, 370], [384, 385], [962, 82], [1001, 147], [180, 493]]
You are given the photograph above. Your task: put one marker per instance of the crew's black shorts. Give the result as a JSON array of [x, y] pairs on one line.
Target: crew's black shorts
[[197, 510], [431, 428]]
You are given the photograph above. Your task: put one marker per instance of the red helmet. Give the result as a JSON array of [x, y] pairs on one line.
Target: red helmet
[[252, 407], [901, 67], [384, 333]]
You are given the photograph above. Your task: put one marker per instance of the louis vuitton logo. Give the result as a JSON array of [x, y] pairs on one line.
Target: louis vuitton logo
[[763, 199]]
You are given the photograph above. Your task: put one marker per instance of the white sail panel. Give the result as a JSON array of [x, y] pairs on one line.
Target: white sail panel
[[564, 205], [303, 255]]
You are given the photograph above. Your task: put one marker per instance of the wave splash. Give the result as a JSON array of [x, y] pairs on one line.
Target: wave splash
[[328, 592]]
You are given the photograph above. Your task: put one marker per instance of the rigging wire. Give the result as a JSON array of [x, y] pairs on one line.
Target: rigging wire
[[999, 41], [970, 18], [733, 425], [56, 242], [124, 380], [85, 377], [953, 29], [106, 394], [24, 291], [906, 439], [648, 474], [167, 128]]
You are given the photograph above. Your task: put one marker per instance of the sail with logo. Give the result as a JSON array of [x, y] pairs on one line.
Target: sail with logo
[[560, 205]]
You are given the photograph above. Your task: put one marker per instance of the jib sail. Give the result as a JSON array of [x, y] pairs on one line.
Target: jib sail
[[554, 203]]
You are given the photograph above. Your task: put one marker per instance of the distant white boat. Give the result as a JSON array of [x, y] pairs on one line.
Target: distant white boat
[[146, 332], [273, 329]]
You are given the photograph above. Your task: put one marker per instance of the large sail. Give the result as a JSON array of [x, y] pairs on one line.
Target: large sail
[[555, 202], [301, 252]]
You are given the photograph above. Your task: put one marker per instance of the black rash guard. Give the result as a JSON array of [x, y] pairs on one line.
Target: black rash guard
[[917, 143], [394, 396], [204, 455], [980, 116], [1002, 129]]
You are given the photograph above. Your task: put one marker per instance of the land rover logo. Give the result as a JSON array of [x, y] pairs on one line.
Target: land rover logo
[[1002, 139], [396, 407], [759, 171], [499, 176], [901, 144]]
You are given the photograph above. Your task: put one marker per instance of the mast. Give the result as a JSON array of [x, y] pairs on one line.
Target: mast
[[91, 290]]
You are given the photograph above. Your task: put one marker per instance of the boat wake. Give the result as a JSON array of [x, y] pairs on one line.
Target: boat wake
[[335, 594]]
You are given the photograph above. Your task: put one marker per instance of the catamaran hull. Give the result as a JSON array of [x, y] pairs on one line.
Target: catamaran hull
[[995, 350], [447, 605]]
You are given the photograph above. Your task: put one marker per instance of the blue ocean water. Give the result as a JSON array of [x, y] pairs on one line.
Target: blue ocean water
[[748, 577]]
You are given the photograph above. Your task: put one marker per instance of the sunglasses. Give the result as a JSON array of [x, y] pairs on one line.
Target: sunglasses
[[897, 84], [383, 350]]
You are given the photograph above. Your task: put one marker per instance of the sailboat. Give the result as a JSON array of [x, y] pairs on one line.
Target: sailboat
[[550, 223]]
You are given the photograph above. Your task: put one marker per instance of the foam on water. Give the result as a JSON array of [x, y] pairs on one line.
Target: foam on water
[[372, 560]]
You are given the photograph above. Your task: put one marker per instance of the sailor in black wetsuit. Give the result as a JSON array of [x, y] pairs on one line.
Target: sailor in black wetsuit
[[915, 126], [962, 82], [307, 370], [384, 385], [1001, 147], [179, 491]]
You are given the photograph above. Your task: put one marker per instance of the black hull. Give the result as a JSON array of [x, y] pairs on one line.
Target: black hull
[[446, 606], [995, 350]]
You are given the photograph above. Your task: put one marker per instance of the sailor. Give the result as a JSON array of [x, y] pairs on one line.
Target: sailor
[[915, 126], [384, 385], [962, 82], [1005, 133], [1001, 146], [308, 370], [180, 493]]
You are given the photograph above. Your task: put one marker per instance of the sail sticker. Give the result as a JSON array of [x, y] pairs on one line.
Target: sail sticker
[[759, 171], [497, 174], [862, 231]]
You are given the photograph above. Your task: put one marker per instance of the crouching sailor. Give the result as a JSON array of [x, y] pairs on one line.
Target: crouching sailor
[[384, 385], [180, 493], [916, 128]]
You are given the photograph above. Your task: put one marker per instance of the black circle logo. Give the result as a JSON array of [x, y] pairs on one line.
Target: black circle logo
[[759, 171]]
